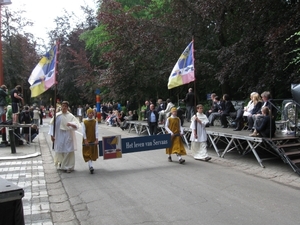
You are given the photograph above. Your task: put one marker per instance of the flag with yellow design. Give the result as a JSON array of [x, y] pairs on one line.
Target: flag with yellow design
[[183, 71], [43, 75]]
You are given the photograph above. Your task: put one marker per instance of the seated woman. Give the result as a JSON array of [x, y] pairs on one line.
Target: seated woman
[[256, 113], [253, 107], [267, 127]]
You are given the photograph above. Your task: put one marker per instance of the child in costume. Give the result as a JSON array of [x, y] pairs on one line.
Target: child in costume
[[173, 127], [199, 137], [90, 139]]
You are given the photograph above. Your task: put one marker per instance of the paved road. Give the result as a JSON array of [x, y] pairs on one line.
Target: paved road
[[144, 188]]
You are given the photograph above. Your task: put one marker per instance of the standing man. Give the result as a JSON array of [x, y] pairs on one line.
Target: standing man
[[80, 113], [152, 118], [190, 104], [3, 103], [90, 140], [15, 98], [64, 138]]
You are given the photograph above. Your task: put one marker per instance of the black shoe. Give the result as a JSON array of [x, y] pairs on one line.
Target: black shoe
[[224, 126], [170, 159], [181, 160], [207, 158], [122, 128], [91, 170]]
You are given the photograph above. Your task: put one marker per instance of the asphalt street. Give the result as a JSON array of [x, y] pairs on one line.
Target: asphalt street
[[144, 188]]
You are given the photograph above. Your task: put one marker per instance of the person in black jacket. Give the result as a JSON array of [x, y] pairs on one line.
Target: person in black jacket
[[267, 127], [3, 103], [152, 118], [190, 104], [26, 119], [228, 108]]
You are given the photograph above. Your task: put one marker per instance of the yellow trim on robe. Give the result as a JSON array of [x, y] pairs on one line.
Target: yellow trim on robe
[[177, 146]]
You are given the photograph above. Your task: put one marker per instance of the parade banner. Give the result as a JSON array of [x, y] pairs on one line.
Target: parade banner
[[111, 147], [134, 144]]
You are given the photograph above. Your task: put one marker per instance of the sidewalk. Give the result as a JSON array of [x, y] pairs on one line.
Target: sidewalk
[[45, 201]]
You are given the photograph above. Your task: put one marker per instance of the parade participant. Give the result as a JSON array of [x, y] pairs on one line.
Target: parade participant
[[90, 140], [199, 137], [173, 127], [64, 138]]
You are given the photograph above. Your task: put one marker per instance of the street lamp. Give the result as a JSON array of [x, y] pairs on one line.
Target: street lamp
[[2, 2]]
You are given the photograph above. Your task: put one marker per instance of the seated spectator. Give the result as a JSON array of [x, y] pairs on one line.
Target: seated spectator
[[163, 114], [243, 113], [216, 112], [254, 119], [26, 119], [34, 131], [267, 127], [160, 105], [135, 115], [212, 108], [227, 111], [125, 124]]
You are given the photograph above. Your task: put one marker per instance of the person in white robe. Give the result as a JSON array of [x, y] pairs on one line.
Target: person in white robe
[[64, 138], [198, 137]]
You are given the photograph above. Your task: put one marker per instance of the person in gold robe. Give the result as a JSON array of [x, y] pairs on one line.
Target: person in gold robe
[[173, 127], [90, 140]]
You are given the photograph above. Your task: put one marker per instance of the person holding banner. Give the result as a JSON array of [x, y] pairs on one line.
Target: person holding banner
[[90, 140], [62, 131], [199, 137], [173, 127]]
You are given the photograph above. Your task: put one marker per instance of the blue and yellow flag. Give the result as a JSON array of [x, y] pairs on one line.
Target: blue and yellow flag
[[43, 75], [183, 71]]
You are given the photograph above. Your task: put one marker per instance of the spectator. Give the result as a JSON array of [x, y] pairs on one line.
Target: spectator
[[15, 99], [212, 108], [80, 113], [216, 112], [190, 104], [227, 111], [36, 115], [34, 131], [26, 119], [163, 114], [267, 127], [3, 103], [152, 119]]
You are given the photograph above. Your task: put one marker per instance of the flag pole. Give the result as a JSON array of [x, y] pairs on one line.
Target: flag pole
[[55, 89], [195, 99]]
